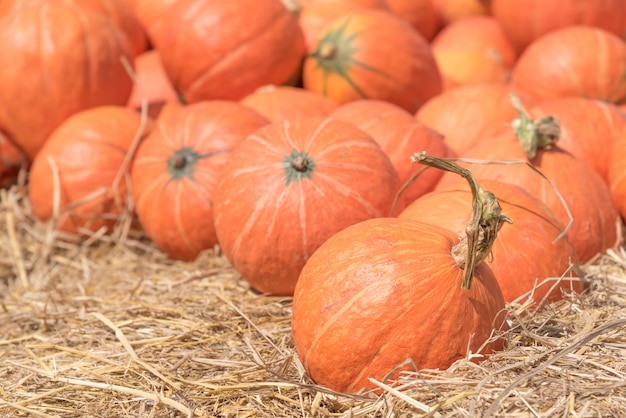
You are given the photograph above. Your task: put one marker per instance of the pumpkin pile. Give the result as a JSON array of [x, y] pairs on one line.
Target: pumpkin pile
[[403, 169]]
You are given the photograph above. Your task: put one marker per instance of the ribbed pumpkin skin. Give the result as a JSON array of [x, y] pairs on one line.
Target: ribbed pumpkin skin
[[526, 20], [364, 65], [237, 46], [576, 61], [468, 114], [589, 128], [279, 103], [384, 291], [175, 205], [524, 253], [594, 216], [76, 68], [88, 151], [399, 135], [269, 218]]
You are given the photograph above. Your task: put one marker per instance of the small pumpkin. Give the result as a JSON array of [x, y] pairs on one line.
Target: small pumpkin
[[399, 134], [576, 61], [352, 60], [473, 50], [279, 103], [78, 67], [524, 21], [228, 62], [83, 168], [151, 84], [526, 253], [585, 194], [291, 185], [466, 115], [387, 290], [177, 168]]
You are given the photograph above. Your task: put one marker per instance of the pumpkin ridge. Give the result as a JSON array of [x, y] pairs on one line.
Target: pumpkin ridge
[[224, 60], [347, 191]]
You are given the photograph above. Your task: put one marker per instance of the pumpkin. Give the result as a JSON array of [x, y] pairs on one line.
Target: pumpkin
[[236, 47], [524, 21], [526, 253], [388, 290], [467, 114], [152, 14], [77, 67], [449, 11], [352, 60], [576, 61], [420, 14], [594, 217], [176, 170], [617, 175], [11, 161], [588, 128], [80, 178], [399, 134], [317, 14], [291, 185], [151, 84], [473, 50], [279, 103]]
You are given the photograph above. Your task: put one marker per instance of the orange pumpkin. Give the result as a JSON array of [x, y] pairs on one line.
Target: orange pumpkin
[[524, 21], [11, 161], [176, 170], [352, 60], [236, 47], [526, 252], [420, 14], [152, 14], [466, 115], [400, 135], [77, 67], [576, 61], [473, 50], [81, 168], [291, 185], [151, 84], [617, 175], [449, 11], [279, 103]]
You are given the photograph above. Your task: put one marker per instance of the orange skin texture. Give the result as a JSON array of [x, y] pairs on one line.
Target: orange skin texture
[[524, 254], [279, 103], [527, 20], [77, 67], [589, 128], [420, 14], [400, 135], [88, 151], [449, 11], [405, 74], [594, 227], [177, 213], [236, 47], [151, 84], [384, 291], [268, 226], [617, 175], [473, 50], [468, 114], [576, 61]]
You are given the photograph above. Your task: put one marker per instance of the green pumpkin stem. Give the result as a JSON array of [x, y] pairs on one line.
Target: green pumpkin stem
[[534, 135], [487, 219]]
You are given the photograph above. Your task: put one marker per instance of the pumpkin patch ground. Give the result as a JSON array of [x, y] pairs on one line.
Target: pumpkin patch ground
[[110, 327]]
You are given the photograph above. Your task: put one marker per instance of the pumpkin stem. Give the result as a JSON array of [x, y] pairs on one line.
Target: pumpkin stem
[[534, 135], [483, 228], [300, 164], [327, 50]]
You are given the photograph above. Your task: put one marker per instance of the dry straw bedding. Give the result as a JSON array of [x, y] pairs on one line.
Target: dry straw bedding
[[109, 327]]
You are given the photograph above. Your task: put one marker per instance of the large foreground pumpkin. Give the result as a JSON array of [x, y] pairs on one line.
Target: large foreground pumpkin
[[77, 67], [82, 169], [288, 187], [215, 49], [176, 170], [387, 291], [353, 60]]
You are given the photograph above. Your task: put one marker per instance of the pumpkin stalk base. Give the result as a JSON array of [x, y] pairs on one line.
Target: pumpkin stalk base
[[534, 135], [487, 219]]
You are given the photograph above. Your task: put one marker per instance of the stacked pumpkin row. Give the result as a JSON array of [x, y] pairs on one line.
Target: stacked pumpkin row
[[292, 139]]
